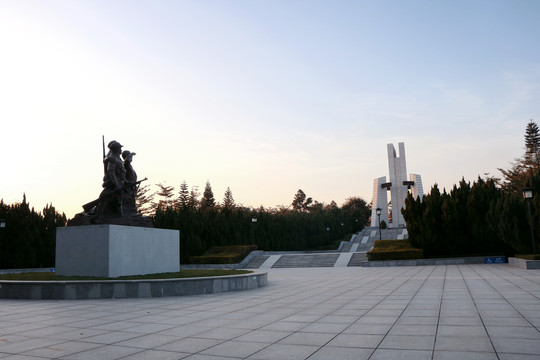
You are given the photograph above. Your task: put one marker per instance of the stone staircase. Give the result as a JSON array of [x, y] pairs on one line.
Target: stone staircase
[[256, 262], [350, 253], [306, 260]]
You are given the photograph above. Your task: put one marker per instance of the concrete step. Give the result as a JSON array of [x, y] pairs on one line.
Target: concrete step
[[272, 259], [256, 262], [343, 259], [300, 260], [357, 259], [346, 247], [306, 260]]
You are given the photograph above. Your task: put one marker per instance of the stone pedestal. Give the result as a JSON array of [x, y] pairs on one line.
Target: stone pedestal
[[115, 250]]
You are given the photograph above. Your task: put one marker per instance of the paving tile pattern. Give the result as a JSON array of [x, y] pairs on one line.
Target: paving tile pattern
[[431, 312]]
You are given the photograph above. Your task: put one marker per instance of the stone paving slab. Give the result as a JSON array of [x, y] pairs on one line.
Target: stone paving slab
[[432, 312]]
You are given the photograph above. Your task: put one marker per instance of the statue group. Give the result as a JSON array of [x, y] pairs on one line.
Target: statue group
[[116, 203]]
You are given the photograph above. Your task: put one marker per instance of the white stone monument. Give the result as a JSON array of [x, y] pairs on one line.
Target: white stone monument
[[398, 186]]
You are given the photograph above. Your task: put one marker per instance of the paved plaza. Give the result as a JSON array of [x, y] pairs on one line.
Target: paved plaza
[[430, 312]]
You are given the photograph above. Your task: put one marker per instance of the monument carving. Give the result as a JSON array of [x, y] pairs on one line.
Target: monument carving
[[116, 203]]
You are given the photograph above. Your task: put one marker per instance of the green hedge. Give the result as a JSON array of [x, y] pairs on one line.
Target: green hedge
[[223, 254], [394, 250], [528, 256], [404, 254], [391, 245]]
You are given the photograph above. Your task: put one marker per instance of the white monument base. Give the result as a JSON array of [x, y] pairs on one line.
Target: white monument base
[[114, 250]]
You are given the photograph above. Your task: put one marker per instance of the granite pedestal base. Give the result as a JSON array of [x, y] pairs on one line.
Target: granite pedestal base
[[114, 250]]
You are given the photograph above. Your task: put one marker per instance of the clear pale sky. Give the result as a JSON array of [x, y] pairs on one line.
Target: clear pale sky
[[264, 97]]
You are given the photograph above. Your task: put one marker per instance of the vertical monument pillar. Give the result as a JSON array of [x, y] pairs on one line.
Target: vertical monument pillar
[[380, 200], [398, 176], [417, 189], [399, 186]]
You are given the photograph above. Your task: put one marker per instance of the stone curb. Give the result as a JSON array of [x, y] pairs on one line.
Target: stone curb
[[524, 263], [119, 289], [425, 262]]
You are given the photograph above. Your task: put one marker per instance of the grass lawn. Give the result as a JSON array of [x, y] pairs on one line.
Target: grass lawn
[[51, 276]]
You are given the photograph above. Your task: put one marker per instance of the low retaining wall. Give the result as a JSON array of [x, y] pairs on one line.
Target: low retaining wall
[[425, 262], [239, 265], [524, 264], [118, 289]]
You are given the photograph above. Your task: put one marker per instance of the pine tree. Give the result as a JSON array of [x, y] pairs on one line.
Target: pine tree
[[193, 200], [301, 202], [532, 146], [144, 200], [166, 194], [515, 178], [183, 198], [208, 202], [228, 201]]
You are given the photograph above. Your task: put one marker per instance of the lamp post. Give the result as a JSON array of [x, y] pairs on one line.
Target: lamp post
[[2, 226], [328, 234], [254, 222], [378, 210], [528, 194]]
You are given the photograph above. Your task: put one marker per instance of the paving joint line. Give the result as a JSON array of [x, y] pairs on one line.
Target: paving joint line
[[476, 307]]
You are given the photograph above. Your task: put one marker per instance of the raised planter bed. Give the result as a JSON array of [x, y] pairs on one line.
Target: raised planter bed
[[524, 264], [425, 262], [118, 289]]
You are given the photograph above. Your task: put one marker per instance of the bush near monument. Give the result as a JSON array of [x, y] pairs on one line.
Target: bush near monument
[[224, 254], [477, 218], [394, 250], [489, 216]]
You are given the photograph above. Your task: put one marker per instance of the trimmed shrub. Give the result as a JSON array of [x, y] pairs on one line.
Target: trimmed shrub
[[404, 254], [223, 254], [392, 245], [394, 250], [528, 256]]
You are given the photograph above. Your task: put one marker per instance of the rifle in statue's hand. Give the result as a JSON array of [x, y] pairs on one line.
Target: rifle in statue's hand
[[126, 186], [91, 204]]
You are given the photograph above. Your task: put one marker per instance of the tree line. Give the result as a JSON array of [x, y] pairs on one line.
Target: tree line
[[29, 238], [489, 216], [304, 225]]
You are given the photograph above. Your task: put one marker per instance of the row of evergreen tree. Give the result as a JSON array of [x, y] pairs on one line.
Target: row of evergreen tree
[[29, 238], [489, 216], [304, 225]]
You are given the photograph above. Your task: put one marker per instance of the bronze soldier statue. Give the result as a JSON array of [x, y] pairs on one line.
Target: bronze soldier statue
[[130, 190], [110, 199], [116, 203]]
